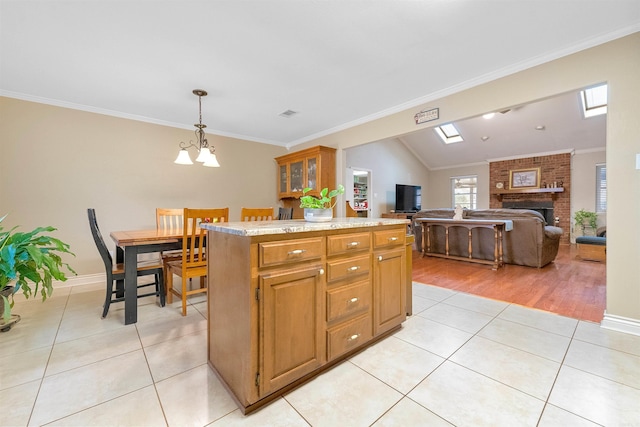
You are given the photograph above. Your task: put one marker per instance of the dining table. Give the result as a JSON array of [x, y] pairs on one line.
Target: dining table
[[128, 245]]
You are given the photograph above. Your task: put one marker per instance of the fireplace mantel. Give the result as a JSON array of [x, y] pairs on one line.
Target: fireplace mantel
[[552, 191], [553, 168]]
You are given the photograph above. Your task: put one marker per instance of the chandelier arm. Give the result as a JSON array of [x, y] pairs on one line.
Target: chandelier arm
[[202, 141], [184, 145]]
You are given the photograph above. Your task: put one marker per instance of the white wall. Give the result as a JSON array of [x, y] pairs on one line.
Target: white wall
[[57, 162], [440, 185], [583, 185], [391, 163]]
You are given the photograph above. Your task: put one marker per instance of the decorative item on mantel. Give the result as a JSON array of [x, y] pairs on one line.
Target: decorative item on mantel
[[319, 209], [207, 154], [524, 178]]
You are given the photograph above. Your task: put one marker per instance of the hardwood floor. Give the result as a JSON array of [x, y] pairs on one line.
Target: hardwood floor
[[568, 286]]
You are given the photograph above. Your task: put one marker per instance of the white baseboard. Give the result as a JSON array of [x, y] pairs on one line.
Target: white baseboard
[[85, 279], [621, 324]]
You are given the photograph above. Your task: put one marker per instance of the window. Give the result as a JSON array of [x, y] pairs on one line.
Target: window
[[601, 188], [464, 191], [448, 133], [594, 101]]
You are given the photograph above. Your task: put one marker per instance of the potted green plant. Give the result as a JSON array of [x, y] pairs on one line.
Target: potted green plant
[[319, 209], [29, 262], [584, 218]]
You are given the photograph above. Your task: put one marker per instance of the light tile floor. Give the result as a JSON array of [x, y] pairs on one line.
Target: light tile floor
[[459, 360]]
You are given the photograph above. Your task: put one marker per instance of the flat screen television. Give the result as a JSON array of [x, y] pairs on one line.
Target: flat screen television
[[408, 198]]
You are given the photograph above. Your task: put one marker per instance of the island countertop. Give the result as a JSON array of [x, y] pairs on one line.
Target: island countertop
[[260, 228]]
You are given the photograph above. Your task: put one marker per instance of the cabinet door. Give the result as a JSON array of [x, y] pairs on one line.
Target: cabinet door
[[296, 177], [292, 324], [312, 173], [283, 180], [389, 288]]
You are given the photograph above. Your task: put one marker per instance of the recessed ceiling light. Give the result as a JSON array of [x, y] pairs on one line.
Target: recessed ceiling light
[[488, 116], [540, 127]]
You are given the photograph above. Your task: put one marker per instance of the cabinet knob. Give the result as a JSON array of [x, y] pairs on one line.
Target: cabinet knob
[[354, 268], [353, 244], [393, 239], [321, 271], [353, 300], [353, 337], [296, 252], [380, 258]]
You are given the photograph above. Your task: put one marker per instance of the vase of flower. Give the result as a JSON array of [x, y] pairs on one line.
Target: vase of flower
[[318, 215], [319, 209]]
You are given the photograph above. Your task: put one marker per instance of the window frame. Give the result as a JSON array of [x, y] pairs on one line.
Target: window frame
[[601, 187], [589, 110], [473, 195], [446, 137]]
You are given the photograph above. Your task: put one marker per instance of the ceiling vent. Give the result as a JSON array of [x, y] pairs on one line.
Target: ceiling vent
[[288, 113]]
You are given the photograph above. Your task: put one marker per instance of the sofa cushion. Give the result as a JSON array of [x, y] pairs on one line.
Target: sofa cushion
[[504, 214], [592, 240]]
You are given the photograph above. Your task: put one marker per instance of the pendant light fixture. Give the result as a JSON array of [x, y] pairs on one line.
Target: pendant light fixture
[[206, 153]]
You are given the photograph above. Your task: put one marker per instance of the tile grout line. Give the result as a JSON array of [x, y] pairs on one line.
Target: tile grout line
[[44, 373]]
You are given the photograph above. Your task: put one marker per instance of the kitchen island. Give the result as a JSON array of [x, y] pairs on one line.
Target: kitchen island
[[289, 299]]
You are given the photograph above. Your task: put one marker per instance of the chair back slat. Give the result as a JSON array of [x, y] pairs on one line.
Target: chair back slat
[[97, 238], [169, 219], [285, 213], [194, 238], [256, 214]]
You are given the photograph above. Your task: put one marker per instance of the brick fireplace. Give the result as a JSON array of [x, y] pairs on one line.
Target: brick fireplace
[[554, 169]]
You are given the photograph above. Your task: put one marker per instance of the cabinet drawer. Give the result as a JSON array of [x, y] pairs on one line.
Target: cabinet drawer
[[348, 336], [350, 267], [388, 238], [289, 251], [344, 301], [346, 243]]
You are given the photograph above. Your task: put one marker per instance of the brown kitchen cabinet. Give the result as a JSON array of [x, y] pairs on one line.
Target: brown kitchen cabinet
[[311, 168], [389, 289], [292, 310], [288, 303]]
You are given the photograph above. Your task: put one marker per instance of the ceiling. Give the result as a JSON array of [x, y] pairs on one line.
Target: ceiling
[[512, 133], [337, 63]]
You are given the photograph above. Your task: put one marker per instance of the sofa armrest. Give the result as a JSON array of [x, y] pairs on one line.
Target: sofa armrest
[[551, 232]]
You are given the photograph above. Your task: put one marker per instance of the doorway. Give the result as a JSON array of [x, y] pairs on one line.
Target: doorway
[[357, 190]]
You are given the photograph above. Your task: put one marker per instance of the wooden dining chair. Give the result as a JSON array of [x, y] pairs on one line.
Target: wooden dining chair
[[285, 213], [193, 262], [256, 214], [115, 272], [167, 220], [350, 212]]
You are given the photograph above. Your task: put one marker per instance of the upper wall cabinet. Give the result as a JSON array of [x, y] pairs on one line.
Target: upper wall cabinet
[[311, 168]]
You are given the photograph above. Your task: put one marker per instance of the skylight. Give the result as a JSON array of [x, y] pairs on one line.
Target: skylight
[[594, 101], [448, 133]]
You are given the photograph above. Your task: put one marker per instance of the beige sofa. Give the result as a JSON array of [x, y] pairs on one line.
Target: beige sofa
[[531, 242]]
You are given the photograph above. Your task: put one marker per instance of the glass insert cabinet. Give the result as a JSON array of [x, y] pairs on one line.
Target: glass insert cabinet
[[313, 168]]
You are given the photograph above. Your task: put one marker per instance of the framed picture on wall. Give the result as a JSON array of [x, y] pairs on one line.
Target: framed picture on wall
[[524, 178]]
